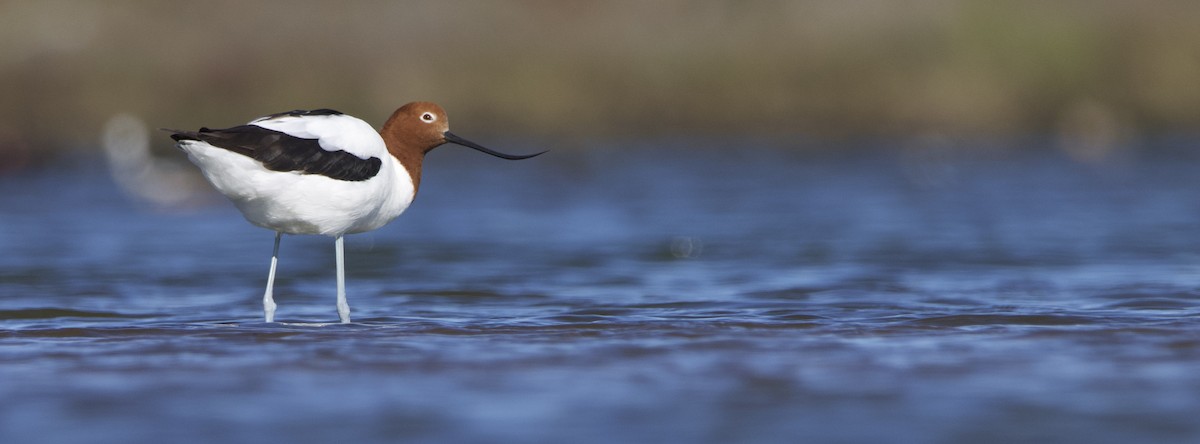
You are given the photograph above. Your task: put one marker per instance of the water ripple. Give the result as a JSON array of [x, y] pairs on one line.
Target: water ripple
[[55, 313]]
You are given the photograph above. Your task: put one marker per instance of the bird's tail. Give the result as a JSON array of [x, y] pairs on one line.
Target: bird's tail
[[181, 135]]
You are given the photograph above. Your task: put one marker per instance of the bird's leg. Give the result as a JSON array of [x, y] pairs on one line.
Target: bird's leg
[[268, 300], [342, 306]]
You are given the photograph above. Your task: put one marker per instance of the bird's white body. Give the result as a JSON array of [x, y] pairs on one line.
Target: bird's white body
[[294, 202], [321, 172]]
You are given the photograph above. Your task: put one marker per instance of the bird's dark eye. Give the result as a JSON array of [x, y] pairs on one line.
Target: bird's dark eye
[[428, 117]]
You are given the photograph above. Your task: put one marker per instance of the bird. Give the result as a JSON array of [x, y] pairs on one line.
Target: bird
[[322, 172]]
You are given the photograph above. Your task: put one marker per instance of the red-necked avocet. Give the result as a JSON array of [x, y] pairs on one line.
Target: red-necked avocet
[[322, 172]]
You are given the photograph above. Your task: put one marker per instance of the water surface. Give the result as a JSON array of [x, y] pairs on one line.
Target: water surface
[[670, 292]]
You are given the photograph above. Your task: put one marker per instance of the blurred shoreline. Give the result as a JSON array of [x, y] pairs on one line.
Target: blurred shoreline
[[1103, 72]]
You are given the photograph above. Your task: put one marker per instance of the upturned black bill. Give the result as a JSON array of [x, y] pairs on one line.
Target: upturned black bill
[[451, 138]]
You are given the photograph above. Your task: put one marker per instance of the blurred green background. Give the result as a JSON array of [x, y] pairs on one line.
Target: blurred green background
[[571, 72]]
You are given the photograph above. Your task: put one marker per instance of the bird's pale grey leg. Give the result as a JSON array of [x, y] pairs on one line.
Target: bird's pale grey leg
[[268, 300], [342, 306]]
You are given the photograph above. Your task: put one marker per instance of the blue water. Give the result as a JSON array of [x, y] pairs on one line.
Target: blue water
[[655, 292]]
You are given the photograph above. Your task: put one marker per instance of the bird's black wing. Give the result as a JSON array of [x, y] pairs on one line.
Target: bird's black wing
[[280, 151]]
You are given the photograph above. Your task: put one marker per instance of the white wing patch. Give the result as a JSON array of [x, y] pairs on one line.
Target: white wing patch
[[337, 132]]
